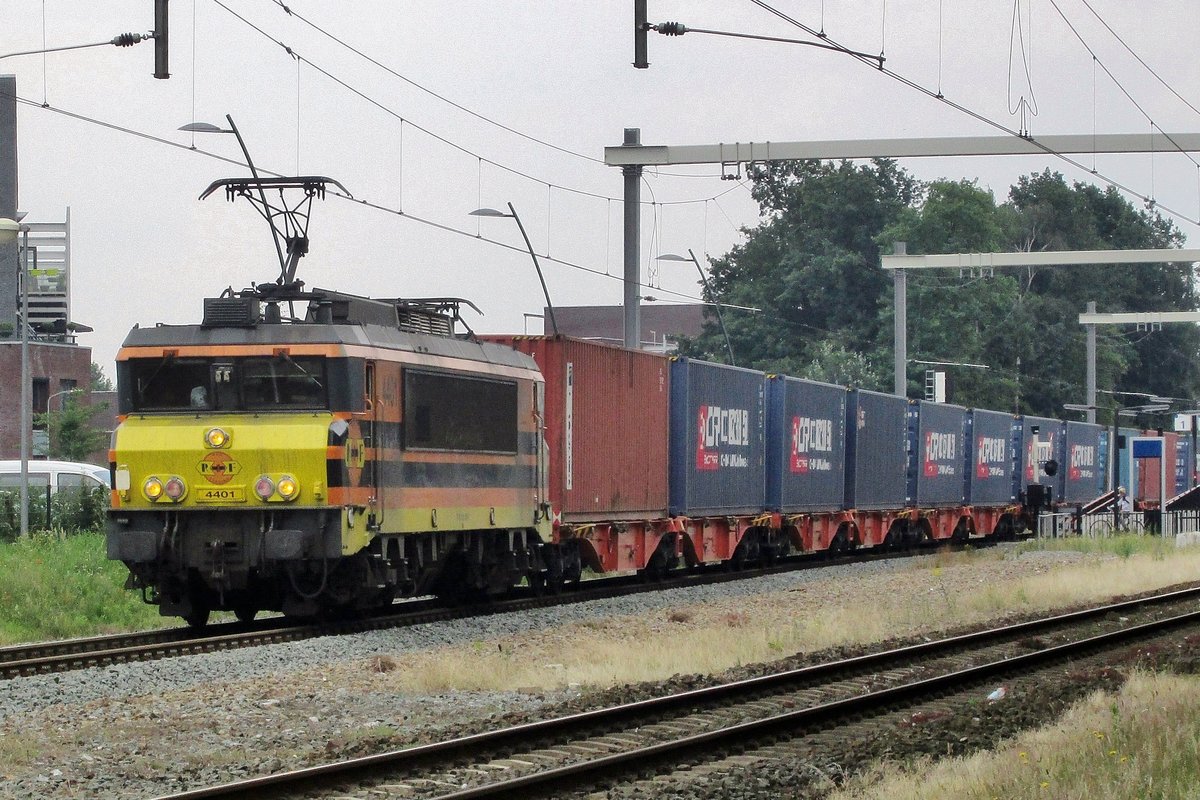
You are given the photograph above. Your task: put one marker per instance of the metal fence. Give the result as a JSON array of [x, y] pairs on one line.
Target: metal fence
[[1105, 523]]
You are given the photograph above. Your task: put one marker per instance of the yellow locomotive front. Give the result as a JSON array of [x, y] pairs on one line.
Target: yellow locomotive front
[[221, 481]]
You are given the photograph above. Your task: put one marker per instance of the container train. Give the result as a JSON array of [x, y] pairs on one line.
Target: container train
[[369, 451], [313, 452]]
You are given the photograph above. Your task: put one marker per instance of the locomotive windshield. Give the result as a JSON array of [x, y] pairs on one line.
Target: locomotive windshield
[[230, 384]]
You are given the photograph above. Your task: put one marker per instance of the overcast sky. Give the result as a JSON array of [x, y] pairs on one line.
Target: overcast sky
[[145, 250]]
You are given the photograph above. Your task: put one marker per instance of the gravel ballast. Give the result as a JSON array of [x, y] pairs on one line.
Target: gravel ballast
[[141, 729]]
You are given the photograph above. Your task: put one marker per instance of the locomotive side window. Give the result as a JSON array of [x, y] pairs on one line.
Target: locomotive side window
[[453, 412]]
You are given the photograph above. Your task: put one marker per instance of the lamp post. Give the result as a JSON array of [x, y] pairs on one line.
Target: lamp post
[[512, 212], [208, 127], [9, 231], [63, 405], [708, 289]]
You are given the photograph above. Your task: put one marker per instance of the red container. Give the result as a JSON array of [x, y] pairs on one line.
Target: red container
[[1149, 471], [606, 427]]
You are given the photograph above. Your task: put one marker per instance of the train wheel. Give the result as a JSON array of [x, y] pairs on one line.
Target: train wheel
[[198, 616]]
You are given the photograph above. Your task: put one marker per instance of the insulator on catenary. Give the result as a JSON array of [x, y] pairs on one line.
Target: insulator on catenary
[[127, 39], [671, 28]]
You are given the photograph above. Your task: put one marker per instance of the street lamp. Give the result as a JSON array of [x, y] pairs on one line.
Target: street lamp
[[10, 230], [208, 127], [63, 406], [512, 212], [708, 289]]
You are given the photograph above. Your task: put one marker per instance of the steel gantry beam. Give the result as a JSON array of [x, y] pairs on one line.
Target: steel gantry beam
[[1140, 318], [632, 156], [900, 262], [745, 152]]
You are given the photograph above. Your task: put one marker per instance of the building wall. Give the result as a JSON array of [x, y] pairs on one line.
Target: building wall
[[56, 363], [8, 195]]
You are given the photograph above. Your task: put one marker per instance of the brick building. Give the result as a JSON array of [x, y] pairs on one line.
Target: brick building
[[42, 300], [55, 368]]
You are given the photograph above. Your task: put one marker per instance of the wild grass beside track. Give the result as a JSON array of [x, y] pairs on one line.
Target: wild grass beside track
[[57, 588], [1139, 743]]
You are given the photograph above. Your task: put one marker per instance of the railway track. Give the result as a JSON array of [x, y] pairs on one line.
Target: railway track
[[71, 654], [667, 737]]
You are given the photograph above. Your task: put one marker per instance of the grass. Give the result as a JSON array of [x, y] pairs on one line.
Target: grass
[[933, 594], [1123, 546], [56, 588], [1139, 743]]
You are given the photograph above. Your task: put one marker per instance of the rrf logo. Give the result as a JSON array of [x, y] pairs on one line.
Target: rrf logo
[[218, 467]]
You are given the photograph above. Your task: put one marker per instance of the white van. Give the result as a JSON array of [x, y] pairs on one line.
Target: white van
[[53, 476]]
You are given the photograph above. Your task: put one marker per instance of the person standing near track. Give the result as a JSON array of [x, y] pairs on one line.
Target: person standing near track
[[1124, 507]]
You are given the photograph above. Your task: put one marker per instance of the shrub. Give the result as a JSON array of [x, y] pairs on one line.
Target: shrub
[[70, 511]]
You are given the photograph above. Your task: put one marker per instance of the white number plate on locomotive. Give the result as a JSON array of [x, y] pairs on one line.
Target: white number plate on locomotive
[[221, 494]]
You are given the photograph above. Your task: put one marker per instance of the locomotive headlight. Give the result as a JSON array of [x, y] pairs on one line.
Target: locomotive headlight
[[216, 438], [288, 488], [264, 487], [152, 488], [175, 488]]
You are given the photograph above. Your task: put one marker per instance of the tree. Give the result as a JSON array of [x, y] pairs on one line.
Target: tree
[[74, 434], [813, 266], [98, 381]]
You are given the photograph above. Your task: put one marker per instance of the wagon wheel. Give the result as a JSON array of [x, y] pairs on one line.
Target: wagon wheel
[[198, 616]]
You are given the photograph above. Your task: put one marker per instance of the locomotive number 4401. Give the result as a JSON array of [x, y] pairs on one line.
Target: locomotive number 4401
[[221, 494]]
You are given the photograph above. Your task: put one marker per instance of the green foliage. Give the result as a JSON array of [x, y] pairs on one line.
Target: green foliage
[[813, 266], [70, 511], [98, 381], [73, 430], [815, 250], [55, 588]]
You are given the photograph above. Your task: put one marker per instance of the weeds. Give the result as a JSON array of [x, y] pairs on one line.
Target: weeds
[[54, 588]]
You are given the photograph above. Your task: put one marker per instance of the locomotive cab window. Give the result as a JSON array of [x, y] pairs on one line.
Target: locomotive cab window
[[283, 381], [246, 384], [453, 412]]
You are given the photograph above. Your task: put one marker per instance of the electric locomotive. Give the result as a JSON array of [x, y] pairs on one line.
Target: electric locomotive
[[312, 451]]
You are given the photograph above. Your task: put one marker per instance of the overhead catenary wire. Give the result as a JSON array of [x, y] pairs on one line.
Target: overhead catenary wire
[[912, 84], [1139, 59], [359, 201], [1119, 85], [482, 117], [293, 53]]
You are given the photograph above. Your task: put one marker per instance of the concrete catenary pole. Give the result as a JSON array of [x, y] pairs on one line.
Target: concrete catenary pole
[[633, 243], [900, 304]]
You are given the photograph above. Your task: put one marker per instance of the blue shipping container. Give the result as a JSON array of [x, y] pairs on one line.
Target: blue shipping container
[[717, 440], [1183, 458], [935, 453], [1049, 440], [1081, 463], [806, 445], [876, 451], [990, 458]]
